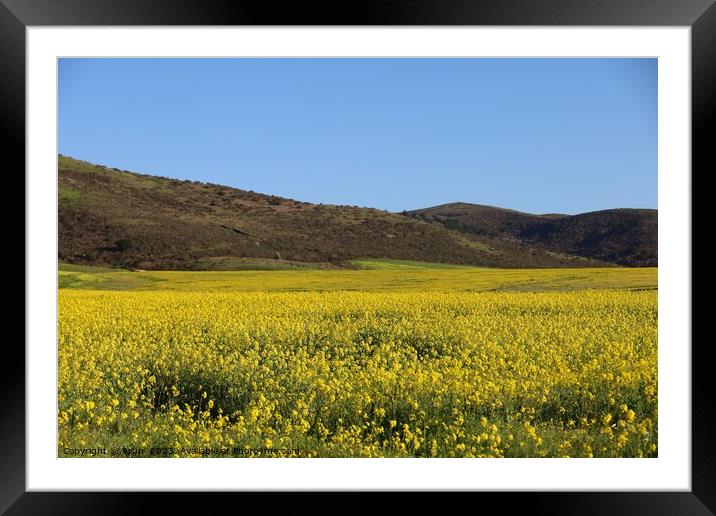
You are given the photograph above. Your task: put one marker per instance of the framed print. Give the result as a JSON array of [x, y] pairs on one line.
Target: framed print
[[436, 247]]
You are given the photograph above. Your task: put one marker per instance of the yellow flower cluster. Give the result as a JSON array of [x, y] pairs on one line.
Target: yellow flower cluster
[[360, 374]]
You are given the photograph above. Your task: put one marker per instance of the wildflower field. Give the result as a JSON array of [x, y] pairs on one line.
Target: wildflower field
[[374, 363]]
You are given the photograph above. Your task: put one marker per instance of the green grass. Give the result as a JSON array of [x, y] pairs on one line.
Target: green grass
[[67, 194], [136, 179], [474, 244], [372, 264], [71, 267], [381, 279], [257, 264], [65, 163], [86, 277]]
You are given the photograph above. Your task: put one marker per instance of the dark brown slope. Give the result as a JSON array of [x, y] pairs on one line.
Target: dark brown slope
[[622, 236], [117, 218]]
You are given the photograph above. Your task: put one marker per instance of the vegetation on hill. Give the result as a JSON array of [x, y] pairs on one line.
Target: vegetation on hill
[[622, 236], [116, 218]]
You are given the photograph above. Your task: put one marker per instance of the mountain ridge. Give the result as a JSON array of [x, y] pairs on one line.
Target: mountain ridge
[[118, 218], [625, 236]]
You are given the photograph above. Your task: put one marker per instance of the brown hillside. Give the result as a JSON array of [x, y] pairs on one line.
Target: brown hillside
[[118, 218], [623, 236]]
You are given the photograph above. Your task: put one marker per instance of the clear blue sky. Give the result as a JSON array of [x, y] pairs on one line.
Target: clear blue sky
[[537, 135]]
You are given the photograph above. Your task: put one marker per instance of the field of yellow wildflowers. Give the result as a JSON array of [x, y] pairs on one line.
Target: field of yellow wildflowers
[[339, 373]]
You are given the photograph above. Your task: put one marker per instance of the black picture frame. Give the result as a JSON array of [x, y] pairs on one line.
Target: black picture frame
[[16, 15]]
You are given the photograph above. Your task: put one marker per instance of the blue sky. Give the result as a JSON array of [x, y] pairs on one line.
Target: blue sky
[[536, 135]]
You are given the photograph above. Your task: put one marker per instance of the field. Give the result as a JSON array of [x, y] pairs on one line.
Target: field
[[369, 275], [391, 359]]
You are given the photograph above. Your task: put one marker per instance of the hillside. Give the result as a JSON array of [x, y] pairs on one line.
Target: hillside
[[117, 218], [621, 236]]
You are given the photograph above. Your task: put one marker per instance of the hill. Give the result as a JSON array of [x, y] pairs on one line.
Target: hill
[[117, 218], [622, 236]]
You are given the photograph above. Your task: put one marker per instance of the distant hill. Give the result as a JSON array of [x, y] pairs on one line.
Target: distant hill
[[622, 236], [117, 218]]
